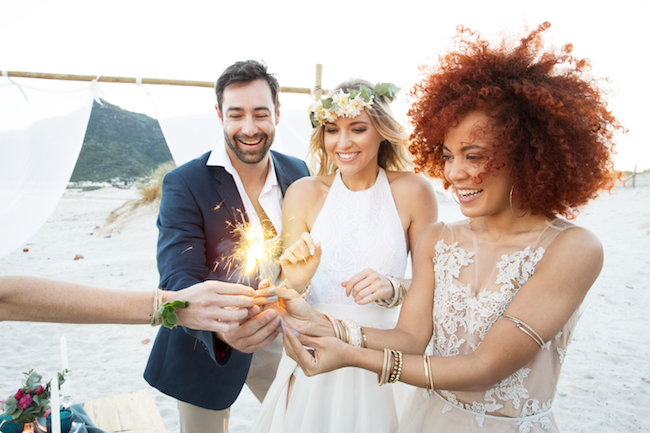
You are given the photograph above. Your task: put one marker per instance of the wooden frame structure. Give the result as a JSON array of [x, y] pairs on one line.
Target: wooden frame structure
[[159, 81]]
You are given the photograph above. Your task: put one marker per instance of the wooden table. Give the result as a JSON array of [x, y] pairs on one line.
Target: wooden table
[[133, 412]]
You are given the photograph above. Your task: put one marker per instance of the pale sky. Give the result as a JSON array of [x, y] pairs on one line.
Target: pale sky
[[374, 40]]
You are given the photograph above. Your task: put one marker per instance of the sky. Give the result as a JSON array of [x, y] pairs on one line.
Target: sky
[[374, 40]]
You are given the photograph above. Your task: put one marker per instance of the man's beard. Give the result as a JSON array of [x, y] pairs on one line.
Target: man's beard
[[250, 156]]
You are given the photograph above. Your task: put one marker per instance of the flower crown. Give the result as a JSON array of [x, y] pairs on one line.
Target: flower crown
[[348, 104]]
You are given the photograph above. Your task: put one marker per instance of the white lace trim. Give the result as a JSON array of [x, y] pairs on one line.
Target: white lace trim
[[532, 413]]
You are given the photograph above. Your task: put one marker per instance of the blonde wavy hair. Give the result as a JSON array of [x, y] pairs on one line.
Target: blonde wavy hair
[[393, 153]]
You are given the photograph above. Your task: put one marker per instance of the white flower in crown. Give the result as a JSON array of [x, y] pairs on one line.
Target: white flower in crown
[[348, 104], [316, 108]]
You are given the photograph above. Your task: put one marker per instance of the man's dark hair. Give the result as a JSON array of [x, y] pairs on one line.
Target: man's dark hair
[[244, 73]]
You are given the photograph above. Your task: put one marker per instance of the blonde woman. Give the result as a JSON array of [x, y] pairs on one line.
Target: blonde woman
[[348, 233]]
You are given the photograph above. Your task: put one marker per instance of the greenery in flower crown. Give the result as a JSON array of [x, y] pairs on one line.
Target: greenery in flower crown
[[348, 104], [31, 401], [167, 312]]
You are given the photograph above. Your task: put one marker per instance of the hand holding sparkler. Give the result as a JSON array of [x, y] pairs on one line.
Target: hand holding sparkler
[[255, 333], [295, 311], [300, 261], [214, 306]]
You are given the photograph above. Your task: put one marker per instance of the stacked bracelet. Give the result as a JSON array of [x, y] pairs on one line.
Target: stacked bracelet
[[398, 294], [355, 337], [348, 331], [391, 369], [382, 378], [364, 344]]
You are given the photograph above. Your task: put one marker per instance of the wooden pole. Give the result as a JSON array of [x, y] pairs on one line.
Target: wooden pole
[[319, 82], [156, 81], [634, 177]]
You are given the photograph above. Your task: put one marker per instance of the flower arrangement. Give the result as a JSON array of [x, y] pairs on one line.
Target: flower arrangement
[[348, 104], [31, 401]]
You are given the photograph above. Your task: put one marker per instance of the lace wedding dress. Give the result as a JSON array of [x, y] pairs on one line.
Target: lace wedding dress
[[357, 230], [475, 282]]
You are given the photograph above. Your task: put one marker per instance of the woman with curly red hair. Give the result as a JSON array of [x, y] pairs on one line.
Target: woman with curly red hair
[[523, 137]]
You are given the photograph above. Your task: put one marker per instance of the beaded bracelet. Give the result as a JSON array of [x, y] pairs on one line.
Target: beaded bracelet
[[397, 367]]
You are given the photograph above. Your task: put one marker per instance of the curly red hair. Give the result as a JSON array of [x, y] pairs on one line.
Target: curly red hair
[[553, 125]]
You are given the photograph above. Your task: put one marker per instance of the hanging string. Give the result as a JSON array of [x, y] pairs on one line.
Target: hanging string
[[6, 75]]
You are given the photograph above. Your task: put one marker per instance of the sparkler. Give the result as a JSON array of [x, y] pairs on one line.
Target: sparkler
[[253, 250]]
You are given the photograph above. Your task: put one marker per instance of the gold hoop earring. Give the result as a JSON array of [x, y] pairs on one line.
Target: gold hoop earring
[[512, 209]]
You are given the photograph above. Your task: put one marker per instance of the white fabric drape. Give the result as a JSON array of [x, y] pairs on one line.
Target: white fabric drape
[[42, 127]]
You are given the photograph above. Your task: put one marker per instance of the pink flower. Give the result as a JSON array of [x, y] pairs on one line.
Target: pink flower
[[25, 401], [39, 390], [19, 394]]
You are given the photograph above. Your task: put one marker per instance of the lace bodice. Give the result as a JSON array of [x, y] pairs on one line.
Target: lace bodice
[[357, 230], [475, 282]]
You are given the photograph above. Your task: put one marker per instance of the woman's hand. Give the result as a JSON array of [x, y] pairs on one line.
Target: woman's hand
[[367, 286], [324, 353], [214, 306], [298, 314], [300, 261]]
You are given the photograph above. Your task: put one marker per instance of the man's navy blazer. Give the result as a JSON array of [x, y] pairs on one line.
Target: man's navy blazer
[[198, 209]]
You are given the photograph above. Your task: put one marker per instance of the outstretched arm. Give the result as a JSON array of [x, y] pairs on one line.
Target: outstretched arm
[[212, 305]]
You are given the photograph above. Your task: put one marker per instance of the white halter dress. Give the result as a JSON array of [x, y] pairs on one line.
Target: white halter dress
[[357, 230]]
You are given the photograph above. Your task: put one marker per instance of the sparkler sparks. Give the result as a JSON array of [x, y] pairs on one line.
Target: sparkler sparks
[[254, 250]]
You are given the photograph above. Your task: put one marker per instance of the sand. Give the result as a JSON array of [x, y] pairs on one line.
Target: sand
[[605, 382]]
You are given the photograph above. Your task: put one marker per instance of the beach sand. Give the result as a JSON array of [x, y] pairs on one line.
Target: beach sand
[[605, 382]]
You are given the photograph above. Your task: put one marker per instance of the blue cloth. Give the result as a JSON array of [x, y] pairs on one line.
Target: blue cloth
[[81, 422], [198, 208]]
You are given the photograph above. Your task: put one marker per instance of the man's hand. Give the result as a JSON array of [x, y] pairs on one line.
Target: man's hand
[[214, 306], [255, 333]]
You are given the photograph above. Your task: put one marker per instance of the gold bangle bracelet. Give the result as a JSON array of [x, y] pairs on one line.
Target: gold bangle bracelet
[[526, 328]]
